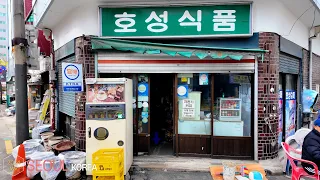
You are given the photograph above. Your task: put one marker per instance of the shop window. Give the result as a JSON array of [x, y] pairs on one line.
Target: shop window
[[143, 104], [194, 96], [232, 105]]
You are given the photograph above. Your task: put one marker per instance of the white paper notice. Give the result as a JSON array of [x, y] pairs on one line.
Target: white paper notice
[[188, 113], [188, 103], [188, 109]]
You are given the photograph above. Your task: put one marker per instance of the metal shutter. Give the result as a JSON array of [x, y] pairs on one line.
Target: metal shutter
[[66, 100], [106, 64], [289, 64]]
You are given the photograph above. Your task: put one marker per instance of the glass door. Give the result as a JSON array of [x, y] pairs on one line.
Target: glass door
[[287, 105], [143, 112], [290, 104]]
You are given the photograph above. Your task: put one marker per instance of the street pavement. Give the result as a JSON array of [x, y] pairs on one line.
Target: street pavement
[[172, 175], [7, 134]]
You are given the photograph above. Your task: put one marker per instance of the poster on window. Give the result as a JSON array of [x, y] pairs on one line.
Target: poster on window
[[203, 79], [101, 93], [188, 109], [280, 113], [290, 112]]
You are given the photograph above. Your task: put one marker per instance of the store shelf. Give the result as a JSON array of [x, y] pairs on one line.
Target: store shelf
[[229, 109]]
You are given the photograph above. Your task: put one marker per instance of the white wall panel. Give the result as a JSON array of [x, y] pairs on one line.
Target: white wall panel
[[268, 16]]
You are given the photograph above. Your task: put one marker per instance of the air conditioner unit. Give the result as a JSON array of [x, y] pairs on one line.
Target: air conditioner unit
[[33, 55], [31, 33]]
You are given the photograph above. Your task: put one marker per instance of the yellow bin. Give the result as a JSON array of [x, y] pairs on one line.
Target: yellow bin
[[109, 164]]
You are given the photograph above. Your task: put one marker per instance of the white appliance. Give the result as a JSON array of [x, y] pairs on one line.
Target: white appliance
[[109, 117], [229, 109]]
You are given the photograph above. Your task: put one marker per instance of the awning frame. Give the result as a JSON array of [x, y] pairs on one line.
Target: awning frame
[[100, 43]]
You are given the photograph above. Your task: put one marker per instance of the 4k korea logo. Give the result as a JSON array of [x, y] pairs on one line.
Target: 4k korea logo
[[11, 167]]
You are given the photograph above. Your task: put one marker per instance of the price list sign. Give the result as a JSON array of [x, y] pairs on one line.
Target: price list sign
[[188, 109]]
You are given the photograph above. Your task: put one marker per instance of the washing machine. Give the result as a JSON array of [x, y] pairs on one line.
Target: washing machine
[[109, 117]]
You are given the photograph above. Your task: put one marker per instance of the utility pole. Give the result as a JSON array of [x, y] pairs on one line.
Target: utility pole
[[20, 43]]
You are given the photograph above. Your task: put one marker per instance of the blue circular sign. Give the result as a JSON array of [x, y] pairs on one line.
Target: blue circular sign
[[71, 72]]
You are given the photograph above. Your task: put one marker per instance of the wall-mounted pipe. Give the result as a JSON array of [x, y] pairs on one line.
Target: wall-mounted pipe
[[316, 33], [310, 62]]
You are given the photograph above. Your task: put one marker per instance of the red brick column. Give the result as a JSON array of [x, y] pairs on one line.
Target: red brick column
[[268, 77], [305, 71], [315, 75], [84, 56]]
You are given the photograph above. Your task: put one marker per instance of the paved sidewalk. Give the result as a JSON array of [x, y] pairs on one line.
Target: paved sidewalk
[[172, 175], [7, 133]]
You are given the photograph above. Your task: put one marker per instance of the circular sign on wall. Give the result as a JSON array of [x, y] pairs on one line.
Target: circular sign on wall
[[182, 90], [71, 72], [142, 88], [145, 120], [203, 77]]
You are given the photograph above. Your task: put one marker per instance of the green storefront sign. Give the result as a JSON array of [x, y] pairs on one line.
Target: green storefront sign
[[187, 21]]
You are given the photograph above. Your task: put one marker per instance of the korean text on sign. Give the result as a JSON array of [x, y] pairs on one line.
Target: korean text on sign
[[290, 95], [177, 21], [223, 20]]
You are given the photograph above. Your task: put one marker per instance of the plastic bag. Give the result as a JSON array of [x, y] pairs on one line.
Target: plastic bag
[[72, 158], [33, 141], [35, 163], [309, 99], [30, 148], [36, 131], [52, 167]]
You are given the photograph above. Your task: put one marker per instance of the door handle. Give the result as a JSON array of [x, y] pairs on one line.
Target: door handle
[[89, 132]]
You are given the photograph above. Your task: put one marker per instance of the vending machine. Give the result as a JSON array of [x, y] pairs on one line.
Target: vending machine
[[109, 114]]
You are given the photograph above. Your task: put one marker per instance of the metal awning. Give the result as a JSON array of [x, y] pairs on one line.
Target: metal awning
[[172, 49]]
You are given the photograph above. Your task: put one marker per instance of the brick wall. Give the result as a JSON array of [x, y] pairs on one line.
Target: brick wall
[[316, 76], [315, 72], [85, 56], [305, 71], [268, 77]]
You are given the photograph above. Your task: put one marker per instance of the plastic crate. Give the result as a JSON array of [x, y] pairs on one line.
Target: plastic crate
[[108, 161], [118, 176]]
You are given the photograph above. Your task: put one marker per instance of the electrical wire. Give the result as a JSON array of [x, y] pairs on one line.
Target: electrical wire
[[314, 18], [298, 19]]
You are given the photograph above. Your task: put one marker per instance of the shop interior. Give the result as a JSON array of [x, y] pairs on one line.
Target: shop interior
[[161, 114], [231, 104]]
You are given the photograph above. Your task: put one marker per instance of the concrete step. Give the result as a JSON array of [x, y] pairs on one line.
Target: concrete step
[[194, 164]]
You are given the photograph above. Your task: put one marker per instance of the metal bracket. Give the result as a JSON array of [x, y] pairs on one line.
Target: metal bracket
[[18, 41]]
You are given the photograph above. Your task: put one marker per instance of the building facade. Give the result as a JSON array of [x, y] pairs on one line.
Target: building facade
[[246, 85], [4, 29]]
